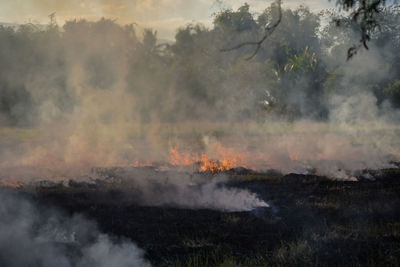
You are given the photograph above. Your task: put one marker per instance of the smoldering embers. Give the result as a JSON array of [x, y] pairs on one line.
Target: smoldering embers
[[33, 236]]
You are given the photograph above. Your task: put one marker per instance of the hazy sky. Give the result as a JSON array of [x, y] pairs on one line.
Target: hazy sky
[[163, 15]]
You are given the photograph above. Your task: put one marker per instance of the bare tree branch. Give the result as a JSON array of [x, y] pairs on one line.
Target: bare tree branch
[[361, 12], [268, 31]]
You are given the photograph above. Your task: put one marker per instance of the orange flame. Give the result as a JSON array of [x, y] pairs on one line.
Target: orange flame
[[12, 185], [225, 159], [177, 158], [294, 156], [141, 163]]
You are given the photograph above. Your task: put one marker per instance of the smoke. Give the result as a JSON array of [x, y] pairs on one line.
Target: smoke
[[98, 94], [32, 236], [150, 187]]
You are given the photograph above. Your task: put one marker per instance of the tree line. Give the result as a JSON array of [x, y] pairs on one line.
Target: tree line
[[295, 73]]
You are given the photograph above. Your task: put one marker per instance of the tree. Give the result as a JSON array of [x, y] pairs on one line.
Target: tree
[[363, 13]]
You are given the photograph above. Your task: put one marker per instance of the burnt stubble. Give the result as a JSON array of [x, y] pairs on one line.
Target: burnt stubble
[[311, 220]]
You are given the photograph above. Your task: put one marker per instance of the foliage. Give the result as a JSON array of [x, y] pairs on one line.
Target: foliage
[[293, 74], [393, 92], [362, 13]]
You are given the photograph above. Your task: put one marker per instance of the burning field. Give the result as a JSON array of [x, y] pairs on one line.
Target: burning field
[[220, 206], [120, 149], [236, 217]]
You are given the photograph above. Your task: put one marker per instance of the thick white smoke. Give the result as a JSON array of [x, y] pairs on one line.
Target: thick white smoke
[[179, 189], [33, 237]]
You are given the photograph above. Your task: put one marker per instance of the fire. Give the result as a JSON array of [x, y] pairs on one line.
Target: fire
[[214, 166], [16, 185], [181, 158], [141, 163], [294, 156], [223, 160]]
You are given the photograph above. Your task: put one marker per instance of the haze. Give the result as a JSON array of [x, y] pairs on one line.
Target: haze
[[163, 15]]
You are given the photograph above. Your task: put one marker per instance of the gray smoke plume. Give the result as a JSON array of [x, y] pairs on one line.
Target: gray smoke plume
[[30, 236], [186, 190], [98, 94]]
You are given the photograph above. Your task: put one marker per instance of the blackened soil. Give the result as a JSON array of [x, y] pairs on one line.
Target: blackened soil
[[312, 221]]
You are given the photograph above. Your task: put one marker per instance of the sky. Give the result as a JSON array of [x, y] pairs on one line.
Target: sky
[[163, 15]]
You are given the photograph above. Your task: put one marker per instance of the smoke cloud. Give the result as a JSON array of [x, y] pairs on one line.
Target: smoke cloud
[[30, 236], [150, 187], [94, 94]]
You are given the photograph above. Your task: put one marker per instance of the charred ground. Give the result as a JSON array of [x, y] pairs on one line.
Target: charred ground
[[312, 220]]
